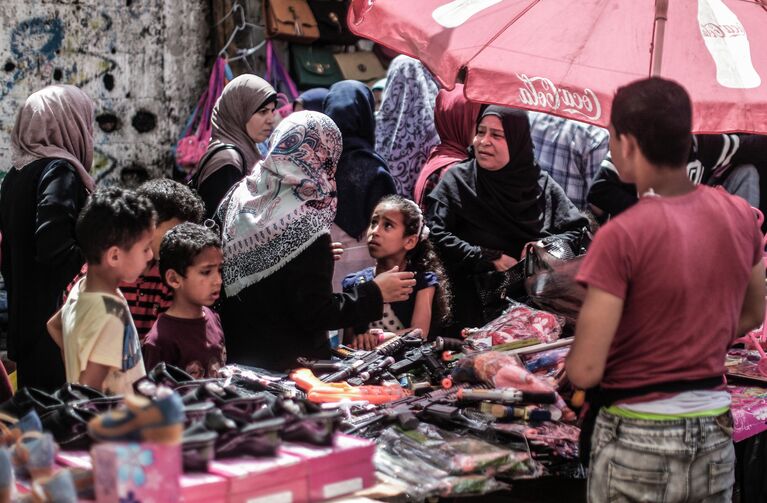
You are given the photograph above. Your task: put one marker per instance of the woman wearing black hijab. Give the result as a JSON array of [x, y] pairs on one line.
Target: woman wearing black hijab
[[484, 210], [362, 177]]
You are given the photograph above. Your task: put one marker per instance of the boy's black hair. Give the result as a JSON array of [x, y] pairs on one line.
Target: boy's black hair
[[181, 245], [173, 200], [112, 217], [658, 113], [423, 258]]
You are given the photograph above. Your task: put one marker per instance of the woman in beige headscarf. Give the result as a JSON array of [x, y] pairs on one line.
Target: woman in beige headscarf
[[40, 199], [243, 116]]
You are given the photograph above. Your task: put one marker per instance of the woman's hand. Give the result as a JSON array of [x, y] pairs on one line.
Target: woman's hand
[[504, 263], [395, 286], [338, 250]]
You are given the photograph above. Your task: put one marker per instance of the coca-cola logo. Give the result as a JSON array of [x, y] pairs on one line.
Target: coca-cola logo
[[714, 30], [541, 92]]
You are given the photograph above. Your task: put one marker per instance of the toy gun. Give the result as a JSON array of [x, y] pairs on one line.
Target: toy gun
[[402, 411], [429, 357], [358, 362], [323, 392], [506, 396]]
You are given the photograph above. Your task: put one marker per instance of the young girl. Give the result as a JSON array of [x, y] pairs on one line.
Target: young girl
[[397, 237]]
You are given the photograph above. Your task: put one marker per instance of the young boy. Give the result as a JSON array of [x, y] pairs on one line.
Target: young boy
[[671, 282], [100, 344], [149, 296], [189, 335]]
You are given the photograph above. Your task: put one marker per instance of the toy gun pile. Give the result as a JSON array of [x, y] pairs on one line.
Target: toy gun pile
[[407, 361]]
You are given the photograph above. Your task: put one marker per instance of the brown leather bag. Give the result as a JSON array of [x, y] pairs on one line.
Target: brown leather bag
[[290, 20], [361, 65]]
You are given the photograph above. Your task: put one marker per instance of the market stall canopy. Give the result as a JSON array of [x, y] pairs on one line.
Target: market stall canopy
[[568, 57]]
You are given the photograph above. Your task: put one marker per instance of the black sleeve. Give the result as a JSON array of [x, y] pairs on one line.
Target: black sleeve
[[609, 193], [58, 193], [719, 153], [215, 187], [320, 308], [566, 218], [453, 250], [752, 150]]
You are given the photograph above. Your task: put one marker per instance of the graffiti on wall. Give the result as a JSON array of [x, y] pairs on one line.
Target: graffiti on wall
[[118, 54]]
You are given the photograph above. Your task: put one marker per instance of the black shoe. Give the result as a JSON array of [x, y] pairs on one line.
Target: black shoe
[[198, 448], [317, 428], [255, 439], [168, 375], [69, 424], [27, 399], [72, 392]]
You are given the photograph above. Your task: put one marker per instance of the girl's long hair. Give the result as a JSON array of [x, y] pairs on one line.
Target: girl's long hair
[[423, 258]]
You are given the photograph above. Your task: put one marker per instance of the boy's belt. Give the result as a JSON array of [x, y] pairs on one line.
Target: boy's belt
[[599, 397]]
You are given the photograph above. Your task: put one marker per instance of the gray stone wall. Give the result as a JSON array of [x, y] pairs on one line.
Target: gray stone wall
[[142, 61]]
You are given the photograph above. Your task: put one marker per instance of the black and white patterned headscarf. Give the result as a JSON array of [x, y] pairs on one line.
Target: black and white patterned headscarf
[[405, 130], [288, 201]]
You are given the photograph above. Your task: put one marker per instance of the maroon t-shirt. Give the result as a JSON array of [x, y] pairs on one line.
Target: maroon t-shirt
[[194, 345], [681, 265]]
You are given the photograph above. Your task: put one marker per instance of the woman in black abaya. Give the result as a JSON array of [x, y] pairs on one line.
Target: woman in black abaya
[[484, 210]]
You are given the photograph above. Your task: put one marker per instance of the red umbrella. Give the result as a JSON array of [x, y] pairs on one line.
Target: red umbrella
[[568, 57]]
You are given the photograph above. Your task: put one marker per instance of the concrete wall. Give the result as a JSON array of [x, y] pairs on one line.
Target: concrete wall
[[142, 61]]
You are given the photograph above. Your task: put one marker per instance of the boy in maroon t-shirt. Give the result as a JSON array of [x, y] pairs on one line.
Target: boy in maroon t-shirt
[[671, 283], [189, 335]]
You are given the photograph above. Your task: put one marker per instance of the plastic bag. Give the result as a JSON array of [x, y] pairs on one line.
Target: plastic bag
[[549, 366], [447, 451], [504, 370], [421, 481], [519, 323], [551, 283]]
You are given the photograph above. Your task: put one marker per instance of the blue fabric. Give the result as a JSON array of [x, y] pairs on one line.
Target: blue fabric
[[362, 176], [313, 98], [403, 309], [569, 151]]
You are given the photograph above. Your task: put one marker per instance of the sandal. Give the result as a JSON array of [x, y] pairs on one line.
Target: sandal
[[142, 419]]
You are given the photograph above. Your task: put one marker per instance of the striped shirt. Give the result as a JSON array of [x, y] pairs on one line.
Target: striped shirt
[[569, 151], [147, 298]]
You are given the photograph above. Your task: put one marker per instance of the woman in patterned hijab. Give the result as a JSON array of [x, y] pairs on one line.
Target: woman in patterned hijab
[[405, 130], [278, 264]]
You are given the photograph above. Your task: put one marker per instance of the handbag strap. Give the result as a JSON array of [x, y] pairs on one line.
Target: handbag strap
[[275, 71], [190, 122], [216, 85]]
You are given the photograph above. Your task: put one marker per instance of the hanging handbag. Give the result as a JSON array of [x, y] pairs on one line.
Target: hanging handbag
[[196, 135], [551, 270], [278, 76], [361, 65], [314, 66], [331, 21], [290, 20]]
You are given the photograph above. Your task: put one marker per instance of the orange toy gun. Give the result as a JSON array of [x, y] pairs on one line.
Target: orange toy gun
[[324, 392]]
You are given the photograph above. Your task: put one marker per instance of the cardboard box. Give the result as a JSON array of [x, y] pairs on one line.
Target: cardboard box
[[203, 487], [344, 468], [277, 479]]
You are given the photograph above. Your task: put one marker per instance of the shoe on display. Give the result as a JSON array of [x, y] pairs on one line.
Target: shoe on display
[[160, 420]]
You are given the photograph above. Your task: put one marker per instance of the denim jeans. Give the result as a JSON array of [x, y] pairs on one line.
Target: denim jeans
[[683, 460]]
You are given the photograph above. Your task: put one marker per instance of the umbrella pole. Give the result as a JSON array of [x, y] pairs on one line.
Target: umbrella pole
[[661, 15]]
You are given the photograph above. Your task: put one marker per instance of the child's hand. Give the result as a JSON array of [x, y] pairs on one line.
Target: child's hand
[[395, 286], [504, 263], [337, 249], [366, 341]]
